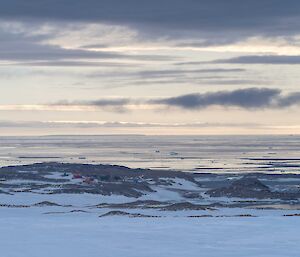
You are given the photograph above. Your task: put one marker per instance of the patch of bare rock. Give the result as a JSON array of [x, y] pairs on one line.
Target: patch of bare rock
[[127, 214], [249, 187], [185, 206]]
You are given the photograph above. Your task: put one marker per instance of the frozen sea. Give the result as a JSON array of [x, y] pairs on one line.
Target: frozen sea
[[280, 154]]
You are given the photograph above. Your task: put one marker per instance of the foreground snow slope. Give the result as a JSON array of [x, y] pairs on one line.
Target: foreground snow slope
[[83, 235]]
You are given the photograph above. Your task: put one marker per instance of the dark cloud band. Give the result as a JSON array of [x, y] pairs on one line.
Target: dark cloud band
[[268, 16], [249, 98], [244, 98], [262, 59]]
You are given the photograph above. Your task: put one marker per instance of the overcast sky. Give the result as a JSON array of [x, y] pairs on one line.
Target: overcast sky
[[150, 67]]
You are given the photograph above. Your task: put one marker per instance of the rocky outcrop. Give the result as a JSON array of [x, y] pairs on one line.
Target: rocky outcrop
[[127, 214], [184, 206], [46, 203], [140, 204], [246, 187], [249, 187]]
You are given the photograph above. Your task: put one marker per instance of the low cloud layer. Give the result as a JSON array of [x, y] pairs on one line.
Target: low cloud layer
[[244, 98], [249, 98], [109, 104], [116, 124], [262, 59]]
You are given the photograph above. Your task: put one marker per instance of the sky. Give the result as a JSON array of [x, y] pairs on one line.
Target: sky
[[193, 67]]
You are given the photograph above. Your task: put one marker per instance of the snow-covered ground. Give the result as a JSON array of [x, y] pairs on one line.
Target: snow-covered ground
[[63, 199], [82, 235], [174, 219]]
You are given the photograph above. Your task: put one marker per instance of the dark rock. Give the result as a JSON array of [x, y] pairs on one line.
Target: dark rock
[[140, 204], [131, 215], [184, 206], [250, 187], [200, 216], [192, 195], [14, 206], [46, 203], [246, 187]]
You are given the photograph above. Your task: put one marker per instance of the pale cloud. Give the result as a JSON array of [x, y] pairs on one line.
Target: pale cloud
[[150, 61]]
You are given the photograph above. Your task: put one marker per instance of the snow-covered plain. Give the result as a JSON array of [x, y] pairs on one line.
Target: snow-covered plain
[[36, 222], [82, 235]]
